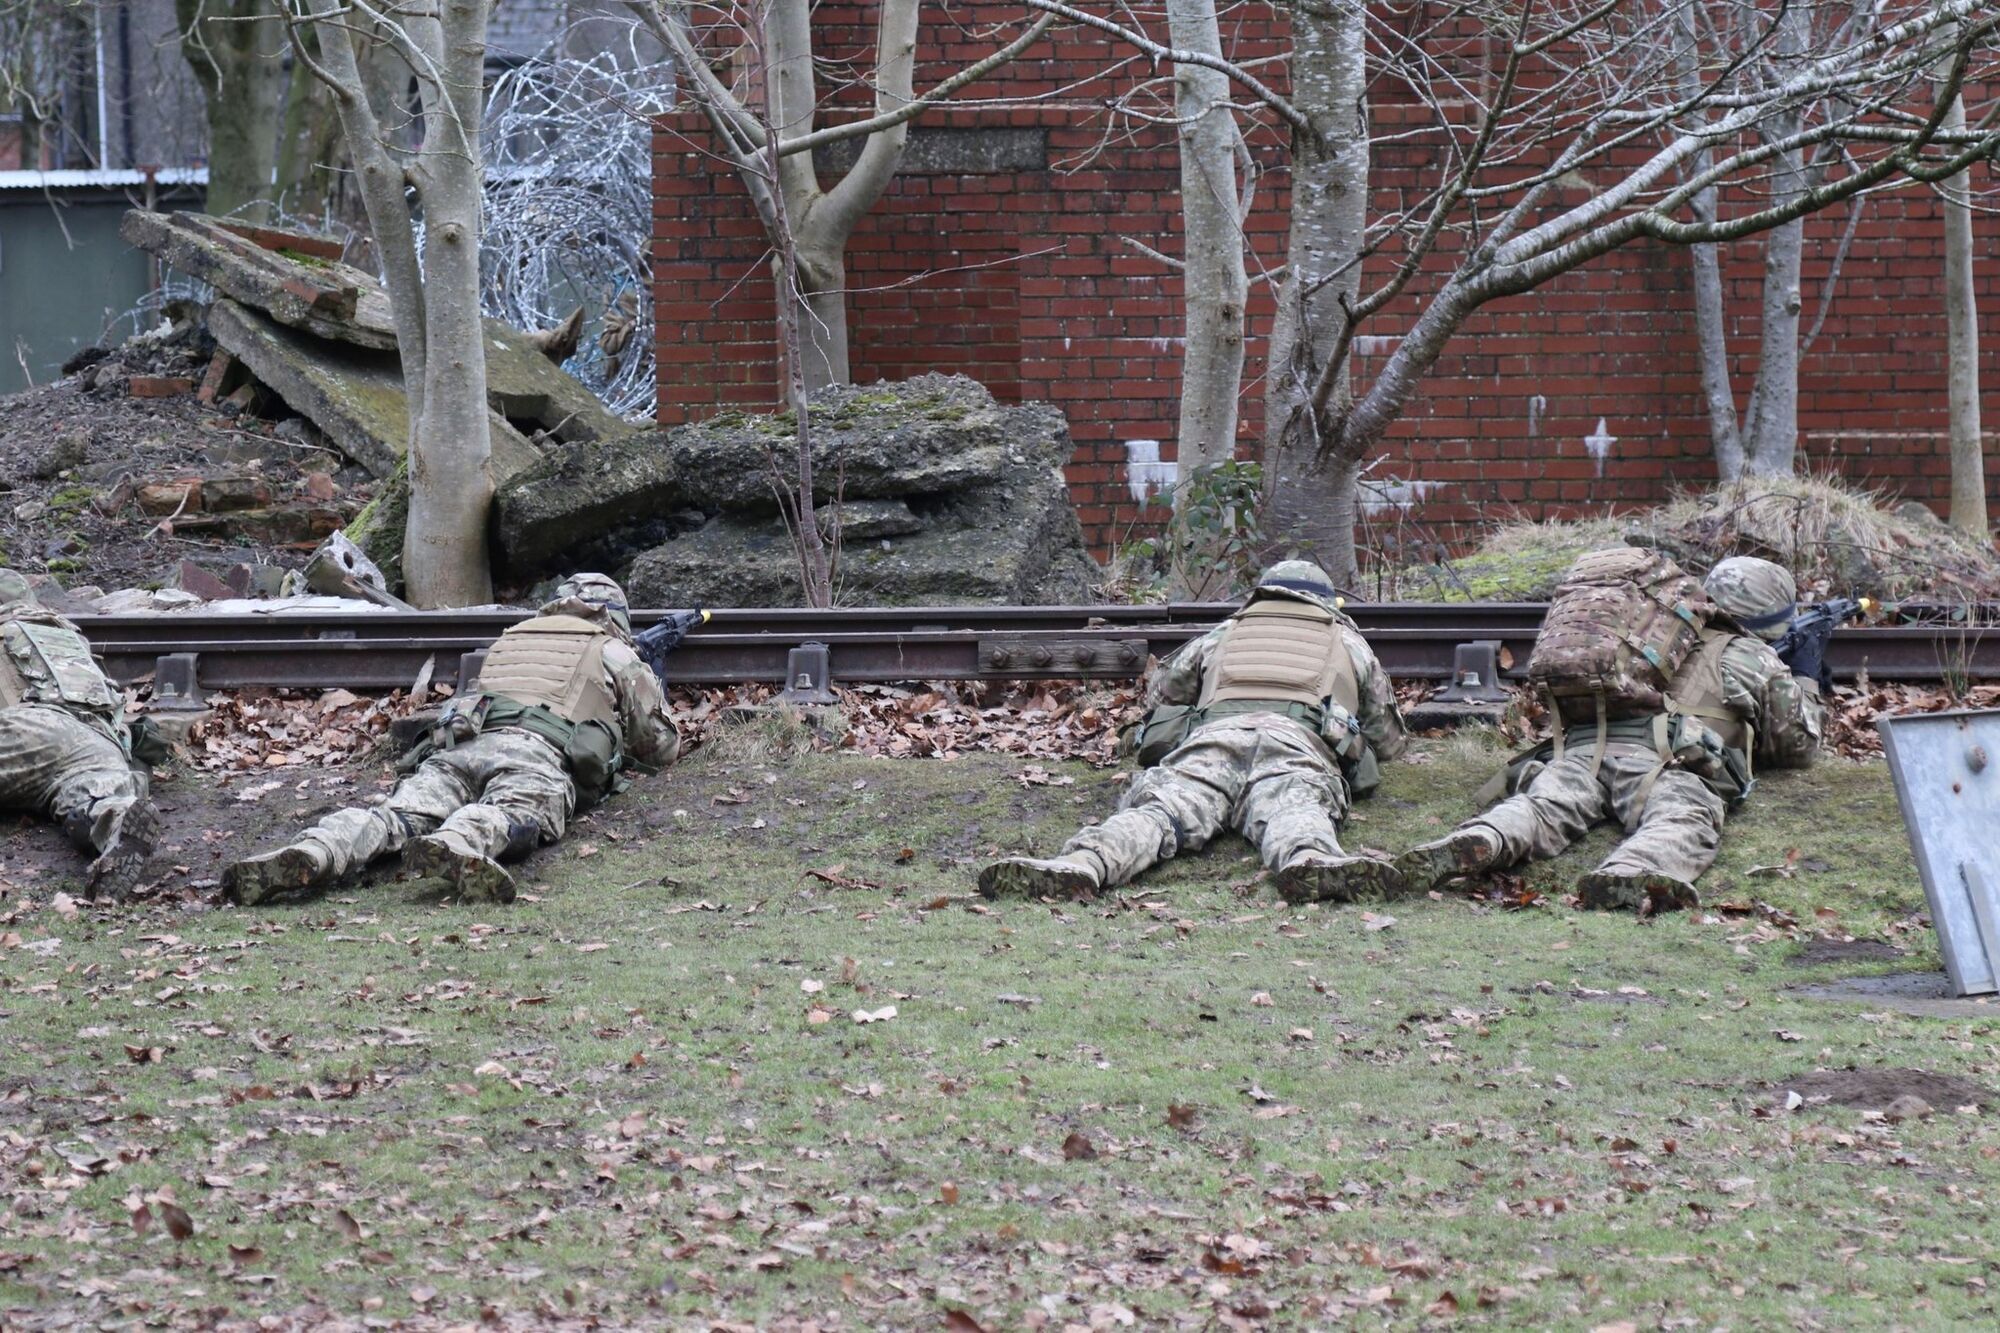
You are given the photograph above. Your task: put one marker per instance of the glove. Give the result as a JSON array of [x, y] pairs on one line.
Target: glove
[[1808, 662]]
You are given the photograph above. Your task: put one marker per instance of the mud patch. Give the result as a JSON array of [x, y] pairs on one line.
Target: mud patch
[[1822, 951], [1925, 994], [1873, 1089]]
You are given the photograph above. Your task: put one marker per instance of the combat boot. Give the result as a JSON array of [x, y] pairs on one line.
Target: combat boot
[[1431, 865], [478, 879], [135, 831], [1075, 875], [1315, 877], [1642, 890], [257, 878]]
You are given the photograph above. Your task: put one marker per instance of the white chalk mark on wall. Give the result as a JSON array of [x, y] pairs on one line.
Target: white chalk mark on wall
[[1390, 494], [1599, 445], [1536, 406], [1145, 474]]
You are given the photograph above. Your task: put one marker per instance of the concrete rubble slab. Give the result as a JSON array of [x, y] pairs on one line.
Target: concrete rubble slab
[[282, 273], [355, 397]]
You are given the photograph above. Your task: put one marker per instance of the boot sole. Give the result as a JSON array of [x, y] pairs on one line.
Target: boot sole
[[116, 872], [1360, 881], [1009, 879], [1425, 868], [1653, 893], [248, 883], [476, 879]]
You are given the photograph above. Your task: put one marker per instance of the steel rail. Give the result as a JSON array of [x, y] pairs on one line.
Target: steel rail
[[365, 651]]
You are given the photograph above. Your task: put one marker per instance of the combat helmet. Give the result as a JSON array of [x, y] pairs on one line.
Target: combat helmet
[[593, 597], [15, 592], [1300, 580], [1760, 596]]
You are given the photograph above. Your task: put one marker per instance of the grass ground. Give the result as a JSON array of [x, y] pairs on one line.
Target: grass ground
[[643, 1096]]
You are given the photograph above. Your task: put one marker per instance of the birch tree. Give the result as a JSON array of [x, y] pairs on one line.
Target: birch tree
[[1961, 357], [772, 40], [433, 285], [1215, 281]]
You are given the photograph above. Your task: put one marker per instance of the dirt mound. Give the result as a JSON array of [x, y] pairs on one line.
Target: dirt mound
[[91, 465], [1822, 951], [1873, 1089], [1839, 540]]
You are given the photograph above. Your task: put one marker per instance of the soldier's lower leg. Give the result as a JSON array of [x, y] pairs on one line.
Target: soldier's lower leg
[[104, 811], [1677, 835], [521, 806], [343, 841], [1470, 849], [1557, 808]]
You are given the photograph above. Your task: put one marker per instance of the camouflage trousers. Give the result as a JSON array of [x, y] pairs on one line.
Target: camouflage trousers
[[498, 796], [1676, 832], [56, 764], [1261, 774]]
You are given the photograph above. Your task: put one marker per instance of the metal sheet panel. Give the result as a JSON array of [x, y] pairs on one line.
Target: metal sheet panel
[[1948, 784]]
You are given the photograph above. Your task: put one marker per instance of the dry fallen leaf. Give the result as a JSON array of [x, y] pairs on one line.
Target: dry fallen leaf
[[178, 1224], [1077, 1148], [1262, 999], [958, 1321], [1181, 1116], [882, 1015]]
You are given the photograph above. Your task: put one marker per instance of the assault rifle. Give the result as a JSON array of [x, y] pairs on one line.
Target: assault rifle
[[665, 635], [1803, 648]]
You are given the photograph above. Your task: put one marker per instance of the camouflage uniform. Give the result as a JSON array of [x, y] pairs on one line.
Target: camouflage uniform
[[1671, 806], [65, 750], [492, 795], [1266, 774]]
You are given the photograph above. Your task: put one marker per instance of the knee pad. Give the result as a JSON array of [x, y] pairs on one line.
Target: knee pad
[[79, 826], [523, 836]]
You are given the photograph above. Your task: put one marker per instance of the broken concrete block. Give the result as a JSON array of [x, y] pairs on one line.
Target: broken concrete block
[[161, 498], [1015, 540], [190, 577], [355, 397], [871, 520], [340, 569], [585, 496], [256, 581], [222, 494], [293, 286], [924, 436], [69, 449]]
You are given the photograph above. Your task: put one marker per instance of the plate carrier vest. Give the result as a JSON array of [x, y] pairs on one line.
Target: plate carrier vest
[[1280, 651], [46, 660], [553, 662]]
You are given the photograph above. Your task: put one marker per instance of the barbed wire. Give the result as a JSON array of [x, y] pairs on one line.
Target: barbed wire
[[569, 203]]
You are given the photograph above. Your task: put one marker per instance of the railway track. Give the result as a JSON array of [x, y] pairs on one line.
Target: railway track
[[371, 651]]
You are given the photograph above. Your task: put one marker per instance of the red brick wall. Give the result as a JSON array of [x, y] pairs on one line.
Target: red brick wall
[[1021, 280]]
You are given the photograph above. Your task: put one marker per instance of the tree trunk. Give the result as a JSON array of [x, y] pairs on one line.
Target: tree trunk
[[1961, 309], [1312, 496], [1771, 425], [1214, 281], [451, 482], [1711, 329], [822, 322], [306, 167], [1771, 422], [236, 50]]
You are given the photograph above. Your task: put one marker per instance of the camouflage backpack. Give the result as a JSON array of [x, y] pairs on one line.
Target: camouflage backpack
[[1621, 625]]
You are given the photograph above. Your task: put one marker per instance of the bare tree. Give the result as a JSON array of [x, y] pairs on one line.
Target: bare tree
[[1961, 357], [236, 49], [1560, 131], [1215, 281], [771, 42], [433, 282]]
